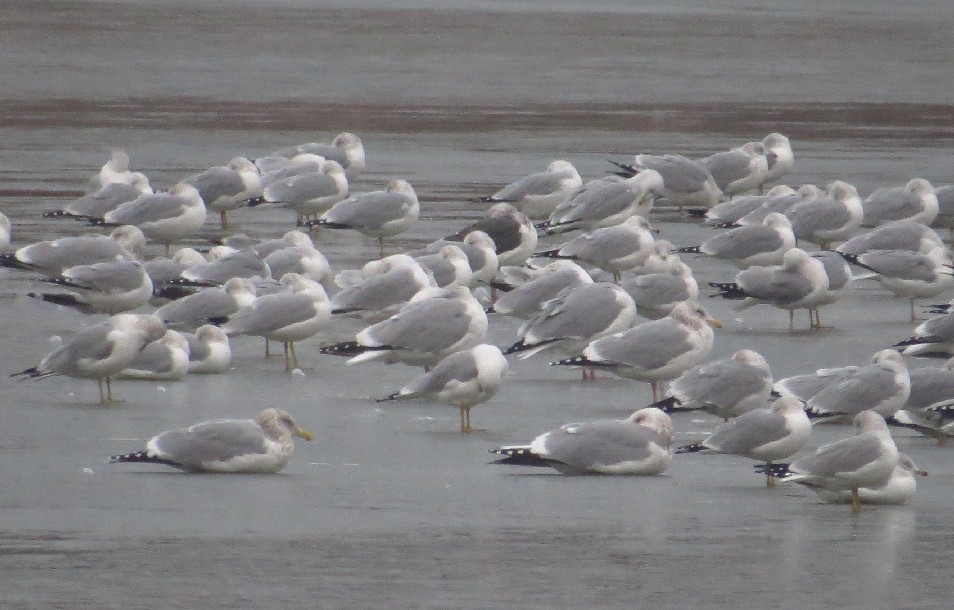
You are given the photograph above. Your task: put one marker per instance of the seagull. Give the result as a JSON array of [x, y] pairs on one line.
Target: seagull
[[915, 201], [740, 169], [162, 217], [798, 283], [827, 218], [779, 155], [290, 316], [537, 195], [746, 246], [225, 188], [55, 256], [867, 459], [165, 359], [377, 214], [209, 350], [604, 203], [100, 351], [933, 337], [900, 488], [908, 274], [641, 444], [208, 304], [725, 388], [766, 435], [449, 266], [116, 170], [481, 255], [513, 234], [685, 182], [380, 288], [345, 149], [574, 318], [728, 213], [527, 300], [112, 287], [299, 256], [655, 294], [464, 379], [433, 325], [105, 199], [613, 249], [308, 192], [839, 275], [898, 235], [655, 351], [259, 446]]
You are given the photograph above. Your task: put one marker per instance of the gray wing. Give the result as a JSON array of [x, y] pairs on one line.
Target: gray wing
[[269, 313], [600, 443], [774, 285], [734, 209], [743, 242], [604, 245], [846, 455], [722, 383], [198, 350], [301, 188], [426, 326], [217, 182], [196, 309], [459, 367], [162, 269], [154, 357], [378, 292], [748, 431], [504, 230], [596, 204], [836, 268], [91, 343], [900, 264], [865, 389], [656, 289], [817, 215], [106, 277], [581, 312], [69, 251], [940, 328], [543, 183], [210, 441], [104, 200], [805, 387], [369, 210], [148, 208], [530, 297], [244, 263], [891, 203], [332, 153], [648, 346], [727, 167], [680, 174], [928, 386]]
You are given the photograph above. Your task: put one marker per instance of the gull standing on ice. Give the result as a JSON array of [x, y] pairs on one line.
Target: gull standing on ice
[[745, 246], [513, 234], [163, 217], [685, 182], [225, 188], [537, 195], [915, 201], [346, 149]]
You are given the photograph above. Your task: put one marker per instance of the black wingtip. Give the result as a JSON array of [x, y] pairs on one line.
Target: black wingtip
[[626, 170], [255, 201], [688, 250], [691, 448], [520, 456], [345, 348], [574, 361], [669, 404]]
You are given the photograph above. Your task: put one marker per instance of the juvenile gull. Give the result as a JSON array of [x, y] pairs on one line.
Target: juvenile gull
[[655, 351], [638, 445], [766, 435], [111, 287], [915, 201], [527, 300], [100, 351], [513, 234], [725, 388], [573, 318], [165, 359], [764, 244], [259, 446], [865, 460], [900, 488], [604, 203], [655, 294], [377, 214], [685, 182], [225, 188], [613, 249], [54, 256], [288, 317], [433, 325], [162, 217], [538, 194], [464, 379], [798, 283], [346, 149]]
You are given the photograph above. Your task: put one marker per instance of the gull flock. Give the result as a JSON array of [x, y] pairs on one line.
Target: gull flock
[[600, 292]]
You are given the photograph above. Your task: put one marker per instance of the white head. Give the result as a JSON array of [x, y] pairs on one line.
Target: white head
[[869, 421], [751, 357], [657, 421], [131, 239], [777, 221], [208, 333]]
